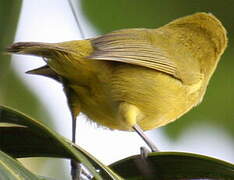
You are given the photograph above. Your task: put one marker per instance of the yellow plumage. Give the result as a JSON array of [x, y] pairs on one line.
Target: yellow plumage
[[148, 77]]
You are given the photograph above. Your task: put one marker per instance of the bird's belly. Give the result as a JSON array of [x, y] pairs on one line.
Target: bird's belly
[[98, 106], [160, 97]]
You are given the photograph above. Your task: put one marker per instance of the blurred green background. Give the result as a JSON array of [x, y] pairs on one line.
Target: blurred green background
[[217, 108]]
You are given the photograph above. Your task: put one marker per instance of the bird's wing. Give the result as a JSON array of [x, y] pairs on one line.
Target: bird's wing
[[133, 47]]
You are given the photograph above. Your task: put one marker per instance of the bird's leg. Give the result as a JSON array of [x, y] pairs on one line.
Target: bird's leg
[[76, 168], [129, 114], [140, 132], [74, 107]]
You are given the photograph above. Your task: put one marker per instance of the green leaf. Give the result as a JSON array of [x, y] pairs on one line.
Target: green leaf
[[11, 169], [45, 178], [173, 166], [22, 136], [12, 89]]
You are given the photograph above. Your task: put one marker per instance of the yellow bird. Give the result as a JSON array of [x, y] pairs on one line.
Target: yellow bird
[[135, 79]]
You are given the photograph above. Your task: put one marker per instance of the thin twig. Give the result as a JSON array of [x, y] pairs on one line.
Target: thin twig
[[76, 18]]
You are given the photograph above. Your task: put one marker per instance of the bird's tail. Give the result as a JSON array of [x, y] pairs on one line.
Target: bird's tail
[[35, 48], [66, 59], [47, 50]]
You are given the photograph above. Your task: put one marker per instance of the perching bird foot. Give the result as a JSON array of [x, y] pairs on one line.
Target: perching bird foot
[[76, 170], [144, 152], [140, 132]]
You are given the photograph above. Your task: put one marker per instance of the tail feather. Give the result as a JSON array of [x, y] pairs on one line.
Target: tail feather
[[45, 71], [62, 59], [35, 48], [45, 50]]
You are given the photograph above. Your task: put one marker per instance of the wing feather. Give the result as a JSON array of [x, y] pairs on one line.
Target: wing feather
[[132, 47]]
